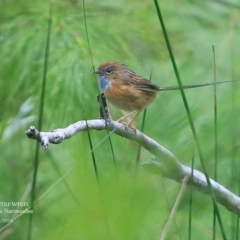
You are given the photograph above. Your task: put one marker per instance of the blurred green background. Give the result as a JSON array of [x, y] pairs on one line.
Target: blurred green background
[[124, 205]]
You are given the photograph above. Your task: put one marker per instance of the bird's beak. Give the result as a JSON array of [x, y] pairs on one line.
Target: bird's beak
[[96, 72]]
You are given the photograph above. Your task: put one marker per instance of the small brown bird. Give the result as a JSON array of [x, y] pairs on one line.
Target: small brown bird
[[129, 91], [125, 89]]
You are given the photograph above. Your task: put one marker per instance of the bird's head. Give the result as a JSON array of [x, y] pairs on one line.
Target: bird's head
[[111, 71]]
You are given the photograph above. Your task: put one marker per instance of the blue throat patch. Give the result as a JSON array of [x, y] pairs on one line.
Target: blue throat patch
[[104, 83]]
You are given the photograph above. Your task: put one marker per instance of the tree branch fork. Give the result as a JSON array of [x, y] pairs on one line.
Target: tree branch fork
[[164, 162]]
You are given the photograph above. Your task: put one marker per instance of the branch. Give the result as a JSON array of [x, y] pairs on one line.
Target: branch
[[164, 163]]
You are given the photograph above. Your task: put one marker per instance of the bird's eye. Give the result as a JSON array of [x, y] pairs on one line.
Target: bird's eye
[[109, 70]]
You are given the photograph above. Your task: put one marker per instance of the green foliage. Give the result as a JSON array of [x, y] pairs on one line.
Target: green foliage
[[123, 205]]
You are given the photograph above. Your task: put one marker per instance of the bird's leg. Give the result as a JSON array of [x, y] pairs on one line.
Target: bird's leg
[[130, 123], [126, 115]]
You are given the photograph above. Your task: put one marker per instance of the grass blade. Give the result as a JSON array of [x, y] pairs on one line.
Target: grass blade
[[189, 117], [40, 119]]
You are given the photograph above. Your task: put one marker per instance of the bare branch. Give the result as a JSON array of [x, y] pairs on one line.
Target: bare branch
[[164, 163]]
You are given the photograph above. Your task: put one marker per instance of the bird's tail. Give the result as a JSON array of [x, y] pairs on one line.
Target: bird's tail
[[194, 85]]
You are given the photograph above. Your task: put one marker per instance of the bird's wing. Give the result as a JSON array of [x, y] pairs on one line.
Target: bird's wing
[[141, 84]]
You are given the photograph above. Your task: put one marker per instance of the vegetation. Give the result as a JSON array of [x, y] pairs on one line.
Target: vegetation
[[126, 202]]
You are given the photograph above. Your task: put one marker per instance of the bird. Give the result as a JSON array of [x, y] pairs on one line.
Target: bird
[[125, 89], [129, 91]]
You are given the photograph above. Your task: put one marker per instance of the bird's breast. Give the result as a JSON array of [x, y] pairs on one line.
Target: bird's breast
[[127, 98]]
